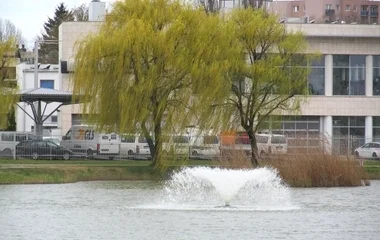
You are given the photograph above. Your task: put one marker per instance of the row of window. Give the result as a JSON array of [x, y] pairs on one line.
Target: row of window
[[348, 7], [349, 75]]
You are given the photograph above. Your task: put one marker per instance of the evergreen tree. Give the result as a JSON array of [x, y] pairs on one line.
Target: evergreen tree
[[48, 52]]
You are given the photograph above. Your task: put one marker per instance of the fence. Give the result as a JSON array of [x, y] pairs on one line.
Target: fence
[[341, 145]]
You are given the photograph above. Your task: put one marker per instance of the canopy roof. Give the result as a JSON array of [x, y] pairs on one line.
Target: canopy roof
[[46, 95]]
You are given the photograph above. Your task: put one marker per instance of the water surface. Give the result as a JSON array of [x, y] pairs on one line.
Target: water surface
[[140, 210]]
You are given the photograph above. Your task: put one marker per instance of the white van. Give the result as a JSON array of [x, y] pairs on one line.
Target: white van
[[266, 143], [9, 139], [134, 146], [272, 143], [83, 140], [204, 146], [176, 145]]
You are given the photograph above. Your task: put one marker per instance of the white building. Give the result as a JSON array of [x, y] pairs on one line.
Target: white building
[[48, 77], [345, 83]]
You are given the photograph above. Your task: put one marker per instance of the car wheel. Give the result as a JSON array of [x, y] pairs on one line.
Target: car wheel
[[374, 155], [130, 153], [66, 156], [7, 152], [263, 154], [194, 153], [34, 156], [357, 154], [90, 154]]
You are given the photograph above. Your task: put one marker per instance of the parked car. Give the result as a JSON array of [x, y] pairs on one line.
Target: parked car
[[53, 140], [368, 150], [37, 149]]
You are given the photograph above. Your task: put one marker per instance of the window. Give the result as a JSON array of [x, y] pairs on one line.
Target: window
[[54, 119], [296, 8], [328, 6], [337, 8], [376, 129], [348, 134], [142, 139], [301, 131], [105, 137], [47, 84], [210, 140], [113, 136], [348, 7], [349, 73], [316, 77], [8, 137], [355, 8], [376, 75], [128, 139]]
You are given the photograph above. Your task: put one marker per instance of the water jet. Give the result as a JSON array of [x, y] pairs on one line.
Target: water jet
[[260, 188]]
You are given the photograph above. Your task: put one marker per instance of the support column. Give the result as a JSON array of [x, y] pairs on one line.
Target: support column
[[369, 75], [327, 133], [368, 129], [328, 75]]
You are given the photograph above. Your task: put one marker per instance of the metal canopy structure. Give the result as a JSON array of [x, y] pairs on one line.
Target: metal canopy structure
[[35, 96]]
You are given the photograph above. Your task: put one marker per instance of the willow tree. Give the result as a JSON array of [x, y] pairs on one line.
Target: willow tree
[[154, 67], [10, 37], [271, 73]]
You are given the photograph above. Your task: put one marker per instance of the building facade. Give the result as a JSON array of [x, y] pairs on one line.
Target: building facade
[[48, 77], [344, 105], [328, 11]]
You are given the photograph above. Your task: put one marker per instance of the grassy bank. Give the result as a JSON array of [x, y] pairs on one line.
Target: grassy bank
[[296, 172], [45, 171]]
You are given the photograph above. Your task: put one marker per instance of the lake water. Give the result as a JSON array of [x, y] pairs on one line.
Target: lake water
[[142, 210]]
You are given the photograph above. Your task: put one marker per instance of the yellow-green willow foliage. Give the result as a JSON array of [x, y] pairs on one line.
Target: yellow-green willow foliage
[[272, 71], [154, 67], [8, 91]]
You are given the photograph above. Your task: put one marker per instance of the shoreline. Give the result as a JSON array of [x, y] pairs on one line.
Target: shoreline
[[58, 172]]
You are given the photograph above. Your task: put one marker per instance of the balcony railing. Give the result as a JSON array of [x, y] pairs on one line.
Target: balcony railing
[[374, 13], [329, 12], [363, 13]]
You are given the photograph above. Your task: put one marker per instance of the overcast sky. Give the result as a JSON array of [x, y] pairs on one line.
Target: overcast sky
[[30, 15]]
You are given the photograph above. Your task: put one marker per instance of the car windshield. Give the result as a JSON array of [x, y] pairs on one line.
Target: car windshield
[[51, 144], [278, 139]]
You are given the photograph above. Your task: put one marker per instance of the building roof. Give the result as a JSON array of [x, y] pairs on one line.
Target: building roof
[[46, 95]]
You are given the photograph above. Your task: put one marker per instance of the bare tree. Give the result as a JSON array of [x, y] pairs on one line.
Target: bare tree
[[8, 30], [80, 13]]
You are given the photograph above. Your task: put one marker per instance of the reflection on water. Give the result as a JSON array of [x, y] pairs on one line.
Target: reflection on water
[[135, 210]]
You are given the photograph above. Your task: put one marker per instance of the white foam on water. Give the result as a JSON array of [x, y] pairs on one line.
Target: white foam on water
[[205, 188]]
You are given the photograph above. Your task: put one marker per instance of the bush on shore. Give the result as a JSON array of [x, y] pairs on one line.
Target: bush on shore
[[306, 170]]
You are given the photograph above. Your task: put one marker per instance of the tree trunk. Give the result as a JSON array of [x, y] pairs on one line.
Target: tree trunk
[[254, 150], [156, 158]]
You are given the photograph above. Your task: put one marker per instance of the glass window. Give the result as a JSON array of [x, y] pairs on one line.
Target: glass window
[[376, 75], [8, 137], [51, 144], [54, 119], [105, 137], [278, 139], [47, 84], [128, 139], [210, 140], [348, 134], [181, 139], [142, 139], [262, 139], [317, 77], [349, 72]]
